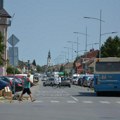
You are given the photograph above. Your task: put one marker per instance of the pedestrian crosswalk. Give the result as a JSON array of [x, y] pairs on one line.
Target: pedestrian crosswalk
[[72, 101], [78, 102], [64, 97]]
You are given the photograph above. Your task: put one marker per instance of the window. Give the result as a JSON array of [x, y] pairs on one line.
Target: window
[[107, 66]]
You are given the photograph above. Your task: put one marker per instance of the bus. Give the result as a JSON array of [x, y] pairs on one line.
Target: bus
[[106, 75]]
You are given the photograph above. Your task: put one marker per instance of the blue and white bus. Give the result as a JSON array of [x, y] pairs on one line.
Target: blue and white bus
[[106, 75]]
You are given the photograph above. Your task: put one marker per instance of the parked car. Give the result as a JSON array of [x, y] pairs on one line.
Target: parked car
[[14, 83], [75, 80], [49, 82], [18, 84], [44, 78], [3, 84], [5, 79], [36, 77], [87, 81], [92, 83], [80, 80], [65, 81]]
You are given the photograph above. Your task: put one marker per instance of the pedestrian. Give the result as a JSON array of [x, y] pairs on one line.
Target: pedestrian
[[59, 81], [56, 81], [26, 88]]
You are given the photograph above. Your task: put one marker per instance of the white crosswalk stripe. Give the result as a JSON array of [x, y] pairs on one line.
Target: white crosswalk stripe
[[38, 101], [71, 101], [118, 102], [87, 101], [105, 102], [54, 101]]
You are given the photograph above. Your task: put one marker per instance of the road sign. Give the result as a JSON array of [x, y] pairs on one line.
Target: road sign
[[13, 40], [13, 56]]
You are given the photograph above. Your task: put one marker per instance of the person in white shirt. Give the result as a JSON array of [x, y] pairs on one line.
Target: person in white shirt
[[59, 81]]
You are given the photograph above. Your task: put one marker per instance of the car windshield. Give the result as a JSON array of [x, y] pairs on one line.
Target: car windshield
[[51, 79], [75, 77]]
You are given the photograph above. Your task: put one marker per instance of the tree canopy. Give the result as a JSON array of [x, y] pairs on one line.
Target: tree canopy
[[34, 62], [2, 47], [111, 48]]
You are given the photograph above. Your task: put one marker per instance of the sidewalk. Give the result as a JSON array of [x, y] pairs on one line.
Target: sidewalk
[[34, 89]]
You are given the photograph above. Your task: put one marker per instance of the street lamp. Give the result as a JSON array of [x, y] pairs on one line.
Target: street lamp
[[79, 51], [101, 34], [64, 54], [77, 41], [85, 40], [68, 52], [92, 44], [85, 46], [99, 19], [71, 48], [108, 33]]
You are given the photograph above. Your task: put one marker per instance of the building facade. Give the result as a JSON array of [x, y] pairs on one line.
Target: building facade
[[4, 24]]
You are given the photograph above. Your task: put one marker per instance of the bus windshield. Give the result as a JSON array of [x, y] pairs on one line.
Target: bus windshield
[[107, 66]]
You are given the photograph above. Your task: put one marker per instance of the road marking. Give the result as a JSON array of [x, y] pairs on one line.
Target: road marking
[[87, 101], [71, 101], [75, 98], [118, 102], [54, 101], [105, 102], [38, 101]]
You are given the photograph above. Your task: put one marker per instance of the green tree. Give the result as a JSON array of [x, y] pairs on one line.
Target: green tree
[[62, 68], [40, 69], [111, 48], [12, 70], [34, 62], [2, 47]]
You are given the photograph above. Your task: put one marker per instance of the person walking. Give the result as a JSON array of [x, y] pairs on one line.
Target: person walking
[[26, 88], [56, 81], [59, 81]]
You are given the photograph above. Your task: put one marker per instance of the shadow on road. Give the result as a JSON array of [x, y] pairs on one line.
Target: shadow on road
[[87, 94], [93, 94]]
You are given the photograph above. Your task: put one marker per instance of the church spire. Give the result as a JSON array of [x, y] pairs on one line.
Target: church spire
[[49, 59], [49, 55]]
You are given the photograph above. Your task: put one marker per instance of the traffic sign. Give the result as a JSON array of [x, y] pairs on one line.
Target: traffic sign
[[13, 40], [13, 56]]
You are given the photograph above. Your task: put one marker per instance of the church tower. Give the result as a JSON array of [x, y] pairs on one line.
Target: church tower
[[49, 59]]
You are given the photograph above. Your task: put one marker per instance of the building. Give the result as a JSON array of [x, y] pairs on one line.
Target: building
[[4, 24], [49, 59], [84, 63]]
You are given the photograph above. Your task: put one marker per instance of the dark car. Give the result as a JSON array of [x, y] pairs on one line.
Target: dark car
[[65, 81], [5, 79], [87, 81], [49, 82], [17, 83], [3, 84], [14, 83]]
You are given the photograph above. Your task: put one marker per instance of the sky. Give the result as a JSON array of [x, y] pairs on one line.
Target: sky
[[43, 25]]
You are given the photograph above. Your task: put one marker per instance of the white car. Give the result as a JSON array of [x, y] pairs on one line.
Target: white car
[[75, 80]]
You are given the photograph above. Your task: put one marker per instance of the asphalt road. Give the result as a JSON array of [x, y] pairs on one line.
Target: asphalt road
[[75, 103]]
